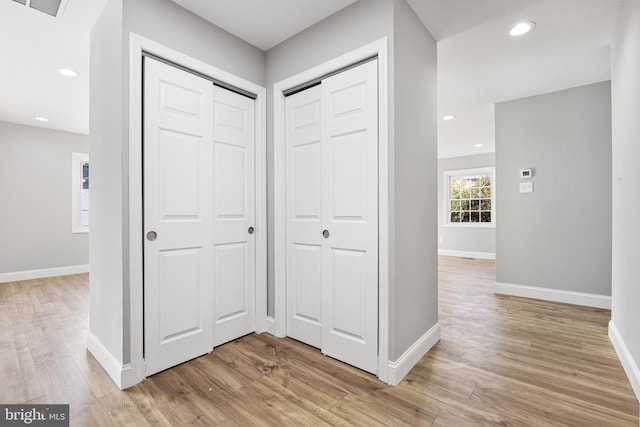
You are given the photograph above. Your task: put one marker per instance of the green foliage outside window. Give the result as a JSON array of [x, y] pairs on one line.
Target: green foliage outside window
[[470, 199]]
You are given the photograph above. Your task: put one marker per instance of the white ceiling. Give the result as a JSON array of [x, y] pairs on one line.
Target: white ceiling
[[34, 46], [478, 63], [264, 24]]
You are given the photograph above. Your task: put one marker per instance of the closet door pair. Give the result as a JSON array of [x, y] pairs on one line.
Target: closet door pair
[[332, 216], [199, 195]]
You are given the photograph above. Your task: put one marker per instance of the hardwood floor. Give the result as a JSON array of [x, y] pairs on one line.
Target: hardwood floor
[[501, 361]]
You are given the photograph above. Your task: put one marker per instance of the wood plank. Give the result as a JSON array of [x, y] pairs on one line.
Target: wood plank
[[502, 360]]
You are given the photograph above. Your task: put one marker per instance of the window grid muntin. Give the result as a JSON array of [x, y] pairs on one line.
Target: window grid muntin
[[470, 198]]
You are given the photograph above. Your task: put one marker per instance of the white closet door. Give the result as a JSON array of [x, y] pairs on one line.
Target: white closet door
[[350, 216], [178, 216], [304, 227], [234, 215]]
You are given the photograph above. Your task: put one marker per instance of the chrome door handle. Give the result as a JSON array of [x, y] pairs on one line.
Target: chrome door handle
[[151, 236], [251, 230], [325, 234]]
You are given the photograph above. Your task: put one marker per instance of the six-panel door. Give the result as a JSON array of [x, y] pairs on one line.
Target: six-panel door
[[178, 216], [350, 216], [233, 206], [198, 181], [332, 216], [199, 196], [304, 216]]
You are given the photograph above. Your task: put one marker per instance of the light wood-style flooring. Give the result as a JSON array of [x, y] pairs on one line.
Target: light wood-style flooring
[[501, 361]]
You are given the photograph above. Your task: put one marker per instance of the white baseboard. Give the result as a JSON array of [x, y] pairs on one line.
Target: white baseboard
[[555, 295], [467, 254], [127, 377], [401, 367], [122, 375], [628, 363], [45, 272], [271, 326]]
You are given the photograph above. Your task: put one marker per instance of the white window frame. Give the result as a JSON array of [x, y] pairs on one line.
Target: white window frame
[[77, 160], [491, 171]]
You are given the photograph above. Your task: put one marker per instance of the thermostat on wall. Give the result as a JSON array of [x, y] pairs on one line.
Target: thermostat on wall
[[525, 174]]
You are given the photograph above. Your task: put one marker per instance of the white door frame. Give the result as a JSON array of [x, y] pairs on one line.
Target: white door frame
[[134, 373], [379, 49]]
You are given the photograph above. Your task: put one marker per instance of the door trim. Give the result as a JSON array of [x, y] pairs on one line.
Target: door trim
[[135, 334], [385, 165]]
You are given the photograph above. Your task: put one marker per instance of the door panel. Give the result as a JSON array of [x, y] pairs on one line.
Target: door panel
[[348, 284], [303, 211], [234, 205], [231, 260], [307, 292], [178, 164], [350, 214], [180, 304], [349, 169], [306, 188], [179, 197], [230, 168]]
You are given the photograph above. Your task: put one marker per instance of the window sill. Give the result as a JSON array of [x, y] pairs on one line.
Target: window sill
[[80, 230], [470, 225]]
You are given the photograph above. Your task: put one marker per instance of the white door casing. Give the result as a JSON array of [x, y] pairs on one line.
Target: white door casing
[[133, 370], [234, 214], [350, 216], [178, 208], [379, 49], [304, 226]]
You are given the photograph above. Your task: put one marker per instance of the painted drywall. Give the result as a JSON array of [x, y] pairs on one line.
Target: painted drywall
[[357, 25], [167, 23], [463, 239], [35, 183], [625, 94], [105, 151], [414, 288], [413, 168], [195, 37], [559, 236]]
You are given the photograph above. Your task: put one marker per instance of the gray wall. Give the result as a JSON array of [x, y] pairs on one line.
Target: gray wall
[[414, 302], [414, 298], [463, 238], [559, 236], [625, 92], [169, 24], [412, 136], [35, 184], [165, 22], [357, 25], [105, 151]]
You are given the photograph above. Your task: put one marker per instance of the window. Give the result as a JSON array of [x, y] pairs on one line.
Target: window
[[79, 193], [470, 197]]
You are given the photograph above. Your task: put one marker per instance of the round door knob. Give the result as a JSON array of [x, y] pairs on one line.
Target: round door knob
[[251, 230], [325, 234], [151, 236]]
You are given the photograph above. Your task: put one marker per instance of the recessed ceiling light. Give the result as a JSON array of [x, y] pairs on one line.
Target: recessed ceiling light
[[449, 117], [522, 28], [68, 72], [42, 119], [478, 145]]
